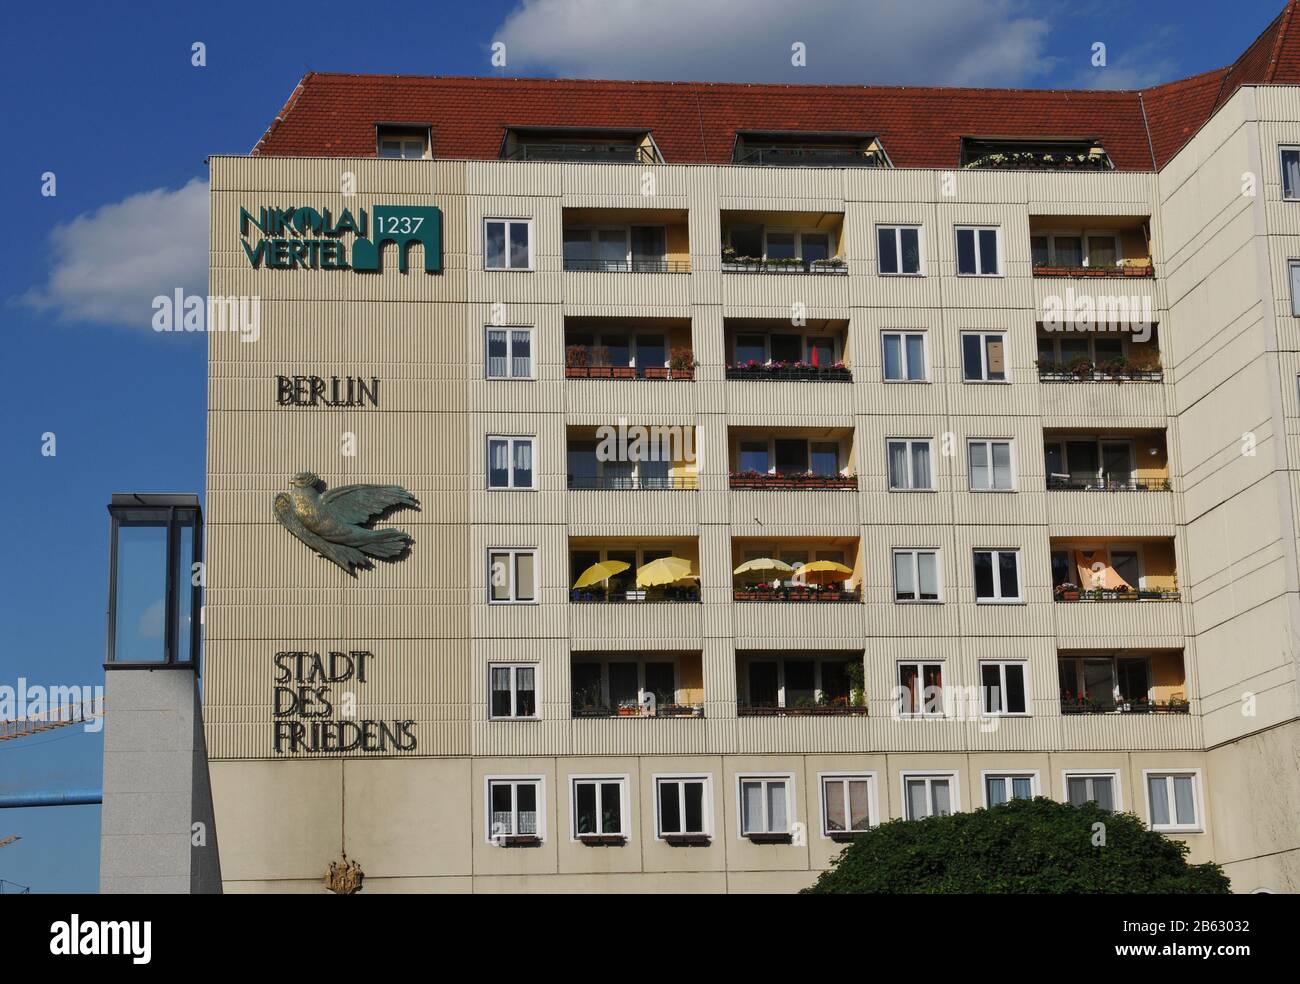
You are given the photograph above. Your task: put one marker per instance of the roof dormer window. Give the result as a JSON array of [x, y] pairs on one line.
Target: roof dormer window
[[405, 141]]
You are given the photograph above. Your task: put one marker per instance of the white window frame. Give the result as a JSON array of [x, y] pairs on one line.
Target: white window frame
[[1002, 665], [514, 780], [1196, 827], [975, 231], [897, 228], [784, 778], [1056, 337], [1082, 235], [909, 441], [706, 802], [988, 443], [632, 334], [983, 379], [514, 552], [510, 331], [997, 598], [514, 691], [873, 809], [920, 665], [1291, 267], [806, 336], [832, 241], [404, 136], [916, 574], [1007, 774], [780, 658], [1281, 178], [954, 789], [624, 806], [532, 244], [1111, 774], [511, 440], [901, 334], [639, 660]]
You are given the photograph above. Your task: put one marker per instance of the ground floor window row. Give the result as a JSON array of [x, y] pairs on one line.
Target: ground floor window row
[[600, 810]]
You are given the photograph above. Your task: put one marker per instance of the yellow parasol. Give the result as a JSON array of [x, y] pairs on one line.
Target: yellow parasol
[[823, 572], [665, 570], [602, 571], [761, 566]]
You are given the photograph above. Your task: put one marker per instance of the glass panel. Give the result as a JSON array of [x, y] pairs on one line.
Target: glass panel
[[1117, 461], [917, 804], [521, 353], [1295, 289], [611, 248], [694, 792], [972, 362], [921, 465], [835, 680], [582, 469], [500, 691], [623, 687], [780, 245], [983, 575], [669, 808], [1061, 569], [835, 818], [821, 351], [586, 687], [499, 576], [825, 459], [1084, 461], [1015, 695], [659, 680], [525, 692], [927, 564], [777, 819], [494, 245], [1184, 801], [1099, 681], [996, 366], [979, 465], [1157, 792], [763, 684], [886, 239], [1069, 251], [859, 804], [1125, 565], [791, 455], [1101, 792], [898, 471], [611, 808], [904, 577], [502, 812], [1047, 350], [787, 348], [991, 684], [988, 250], [1133, 678], [747, 241], [1102, 251], [526, 804], [1009, 573], [966, 251], [650, 351], [1022, 787], [183, 582], [585, 808], [995, 790], [648, 244], [496, 354], [940, 797], [577, 246], [1108, 349], [932, 675], [523, 471], [915, 357], [519, 254], [750, 348], [619, 349], [800, 688], [911, 242], [525, 590], [1038, 250], [1053, 460], [1291, 174], [498, 464], [1077, 790], [753, 457], [141, 592], [814, 246], [909, 684], [1074, 348], [1002, 465], [893, 356]]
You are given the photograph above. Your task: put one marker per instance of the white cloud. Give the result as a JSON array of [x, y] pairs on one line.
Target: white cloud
[[933, 42], [108, 265]]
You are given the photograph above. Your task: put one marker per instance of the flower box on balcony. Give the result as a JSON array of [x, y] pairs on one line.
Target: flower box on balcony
[[687, 840], [792, 480], [1083, 272], [792, 371], [624, 372], [835, 708], [603, 840], [577, 372], [679, 711]]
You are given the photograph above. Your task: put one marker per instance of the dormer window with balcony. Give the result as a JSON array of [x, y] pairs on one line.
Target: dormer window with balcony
[[402, 140], [1019, 154], [800, 149], [580, 145]]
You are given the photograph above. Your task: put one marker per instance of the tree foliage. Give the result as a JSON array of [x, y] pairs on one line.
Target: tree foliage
[[1025, 846]]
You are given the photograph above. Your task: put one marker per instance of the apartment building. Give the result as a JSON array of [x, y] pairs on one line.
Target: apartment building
[[788, 459]]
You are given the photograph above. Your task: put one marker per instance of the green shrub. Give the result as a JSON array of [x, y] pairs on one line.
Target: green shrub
[[1022, 847]]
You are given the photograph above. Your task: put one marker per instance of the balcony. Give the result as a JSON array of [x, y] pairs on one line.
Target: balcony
[[637, 686], [634, 571], [807, 570], [1123, 682], [806, 149], [600, 146], [610, 240], [779, 684], [1108, 461], [791, 458], [1089, 247], [648, 348], [630, 458], [1077, 356], [1114, 570], [1034, 155], [775, 350], [783, 243]]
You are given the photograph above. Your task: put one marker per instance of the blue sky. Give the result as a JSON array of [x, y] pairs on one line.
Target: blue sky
[[104, 95]]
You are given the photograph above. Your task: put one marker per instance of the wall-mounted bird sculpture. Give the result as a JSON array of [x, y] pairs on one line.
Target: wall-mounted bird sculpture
[[330, 522]]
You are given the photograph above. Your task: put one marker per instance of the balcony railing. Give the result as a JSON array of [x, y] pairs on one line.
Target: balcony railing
[[633, 483], [595, 153], [833, 707], [791, 480], [751, 264], [792, 371], [1058, 482], [797, 594], [628, 266], [629, 372], [810, 157], [632, 709], [1073, 704], [1069, 593], [1141, 270], [636, 596], [1012, 159], [1086, 371]]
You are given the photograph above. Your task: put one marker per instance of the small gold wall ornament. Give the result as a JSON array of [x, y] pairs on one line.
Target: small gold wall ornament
[[344, 877]]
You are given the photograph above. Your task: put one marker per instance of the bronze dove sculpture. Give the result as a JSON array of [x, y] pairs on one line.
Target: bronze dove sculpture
[[330, 522]]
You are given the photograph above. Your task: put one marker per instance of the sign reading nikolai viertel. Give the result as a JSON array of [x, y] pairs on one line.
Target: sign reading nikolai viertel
[[312, 716], [313, 239]]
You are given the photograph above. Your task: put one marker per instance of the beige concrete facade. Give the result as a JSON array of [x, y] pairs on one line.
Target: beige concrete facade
[[1220, 542]]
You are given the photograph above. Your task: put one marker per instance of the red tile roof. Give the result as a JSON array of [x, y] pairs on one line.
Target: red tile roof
[[334, 115]]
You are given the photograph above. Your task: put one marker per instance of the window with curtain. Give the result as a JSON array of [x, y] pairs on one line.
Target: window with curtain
[[990, 466], [510, 462], [1172, 797], [1291, 173], [1294, 268], [916, 575], [920, 688], [846, 802], [514, 691], [928, 796], [764, 807], [909, 465], [514, 807], [904, 356], [1004, 788], [1099, 789]]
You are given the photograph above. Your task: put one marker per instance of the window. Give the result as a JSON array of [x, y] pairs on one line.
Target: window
[[1089, 248], [848, 803], [1105, 682], [514, 808], [900, 249], [909, 465], [598, 807], [990, 466], [982, 358], [794, 681], [512, 576], [1291, 173], [1171, 800], [681, 806], [407, 142], [510, 462], [997, 575], [920, 689], [977, 251], [509, 353], [916, 575], [796, 244], [1003, 787], [1089, 787], [1294, 269], [764, 805], [601, 687], [507, 244], [929, 794], [904, 356], [513, 690], [1003, 688], [1063, 347], [1089, 462]]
